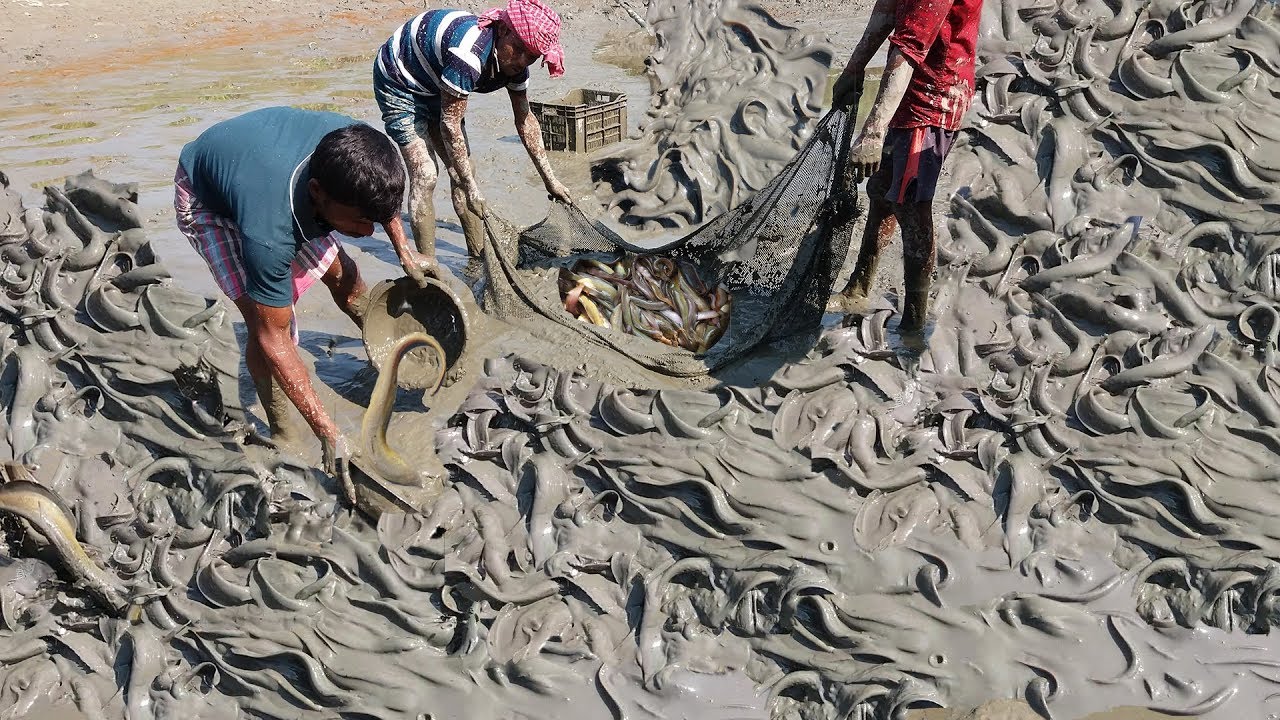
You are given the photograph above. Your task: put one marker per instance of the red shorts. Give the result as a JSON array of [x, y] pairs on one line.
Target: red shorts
[[911, 164]]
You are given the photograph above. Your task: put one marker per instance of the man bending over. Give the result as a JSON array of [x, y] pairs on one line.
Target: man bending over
[[260, 197]]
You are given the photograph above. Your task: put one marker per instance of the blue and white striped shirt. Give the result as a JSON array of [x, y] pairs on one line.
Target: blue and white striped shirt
[[444, 49]]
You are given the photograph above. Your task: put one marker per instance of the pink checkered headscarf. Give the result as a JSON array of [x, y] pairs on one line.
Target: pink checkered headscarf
[[538, 27]]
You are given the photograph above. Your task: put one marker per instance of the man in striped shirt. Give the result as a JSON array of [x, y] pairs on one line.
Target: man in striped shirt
[[422, 78]]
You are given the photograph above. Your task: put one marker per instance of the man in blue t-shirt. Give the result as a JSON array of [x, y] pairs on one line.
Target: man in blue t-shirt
[[260, 197], [422, 78]]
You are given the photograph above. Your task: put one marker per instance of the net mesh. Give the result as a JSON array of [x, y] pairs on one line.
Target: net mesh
[[777, 254]]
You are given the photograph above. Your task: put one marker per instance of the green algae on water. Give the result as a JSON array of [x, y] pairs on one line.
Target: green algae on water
[[75, 125], [146, 107], [333, 63], [352, 93], [46, 162], [321, 106], [223, 97], [301, 84], [184, 120], [80, 140], [56, 182]]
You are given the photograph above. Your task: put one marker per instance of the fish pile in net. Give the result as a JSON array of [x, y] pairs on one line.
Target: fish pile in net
[[647, 296], [776, 255]]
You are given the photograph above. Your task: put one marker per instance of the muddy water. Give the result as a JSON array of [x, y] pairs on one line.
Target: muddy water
[[1065, 499]]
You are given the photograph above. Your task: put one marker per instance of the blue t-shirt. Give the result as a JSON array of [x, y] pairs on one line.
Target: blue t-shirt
[[253, 170]]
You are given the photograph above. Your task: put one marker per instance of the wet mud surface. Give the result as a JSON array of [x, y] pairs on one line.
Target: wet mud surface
[[1065, 498], [734, 93]]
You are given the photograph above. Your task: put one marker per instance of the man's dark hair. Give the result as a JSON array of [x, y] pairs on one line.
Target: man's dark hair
[[359, 166]]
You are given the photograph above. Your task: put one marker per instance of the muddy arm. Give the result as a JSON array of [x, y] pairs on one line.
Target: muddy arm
[[848, 87], [270, 330], [416, 265], [897, 78], [910, 42], [909, 48], [878, 29], [456, 155], [530, 132]]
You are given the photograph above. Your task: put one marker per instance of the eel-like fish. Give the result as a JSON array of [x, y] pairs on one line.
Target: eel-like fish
[[374, 453], [45, 511]]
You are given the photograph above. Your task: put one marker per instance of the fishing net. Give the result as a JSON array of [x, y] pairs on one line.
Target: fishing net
[[777, 254]]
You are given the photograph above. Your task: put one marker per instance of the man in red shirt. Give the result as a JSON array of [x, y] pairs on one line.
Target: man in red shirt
[[924, 94]]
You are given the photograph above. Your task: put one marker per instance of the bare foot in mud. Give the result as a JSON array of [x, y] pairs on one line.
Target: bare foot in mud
[[850, 304], [285, 439], [914, 340]]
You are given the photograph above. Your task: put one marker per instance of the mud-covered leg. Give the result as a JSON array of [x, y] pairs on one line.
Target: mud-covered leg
[[285, 428], [472, 225], [919, 258], [423, 171], [881, 223]]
